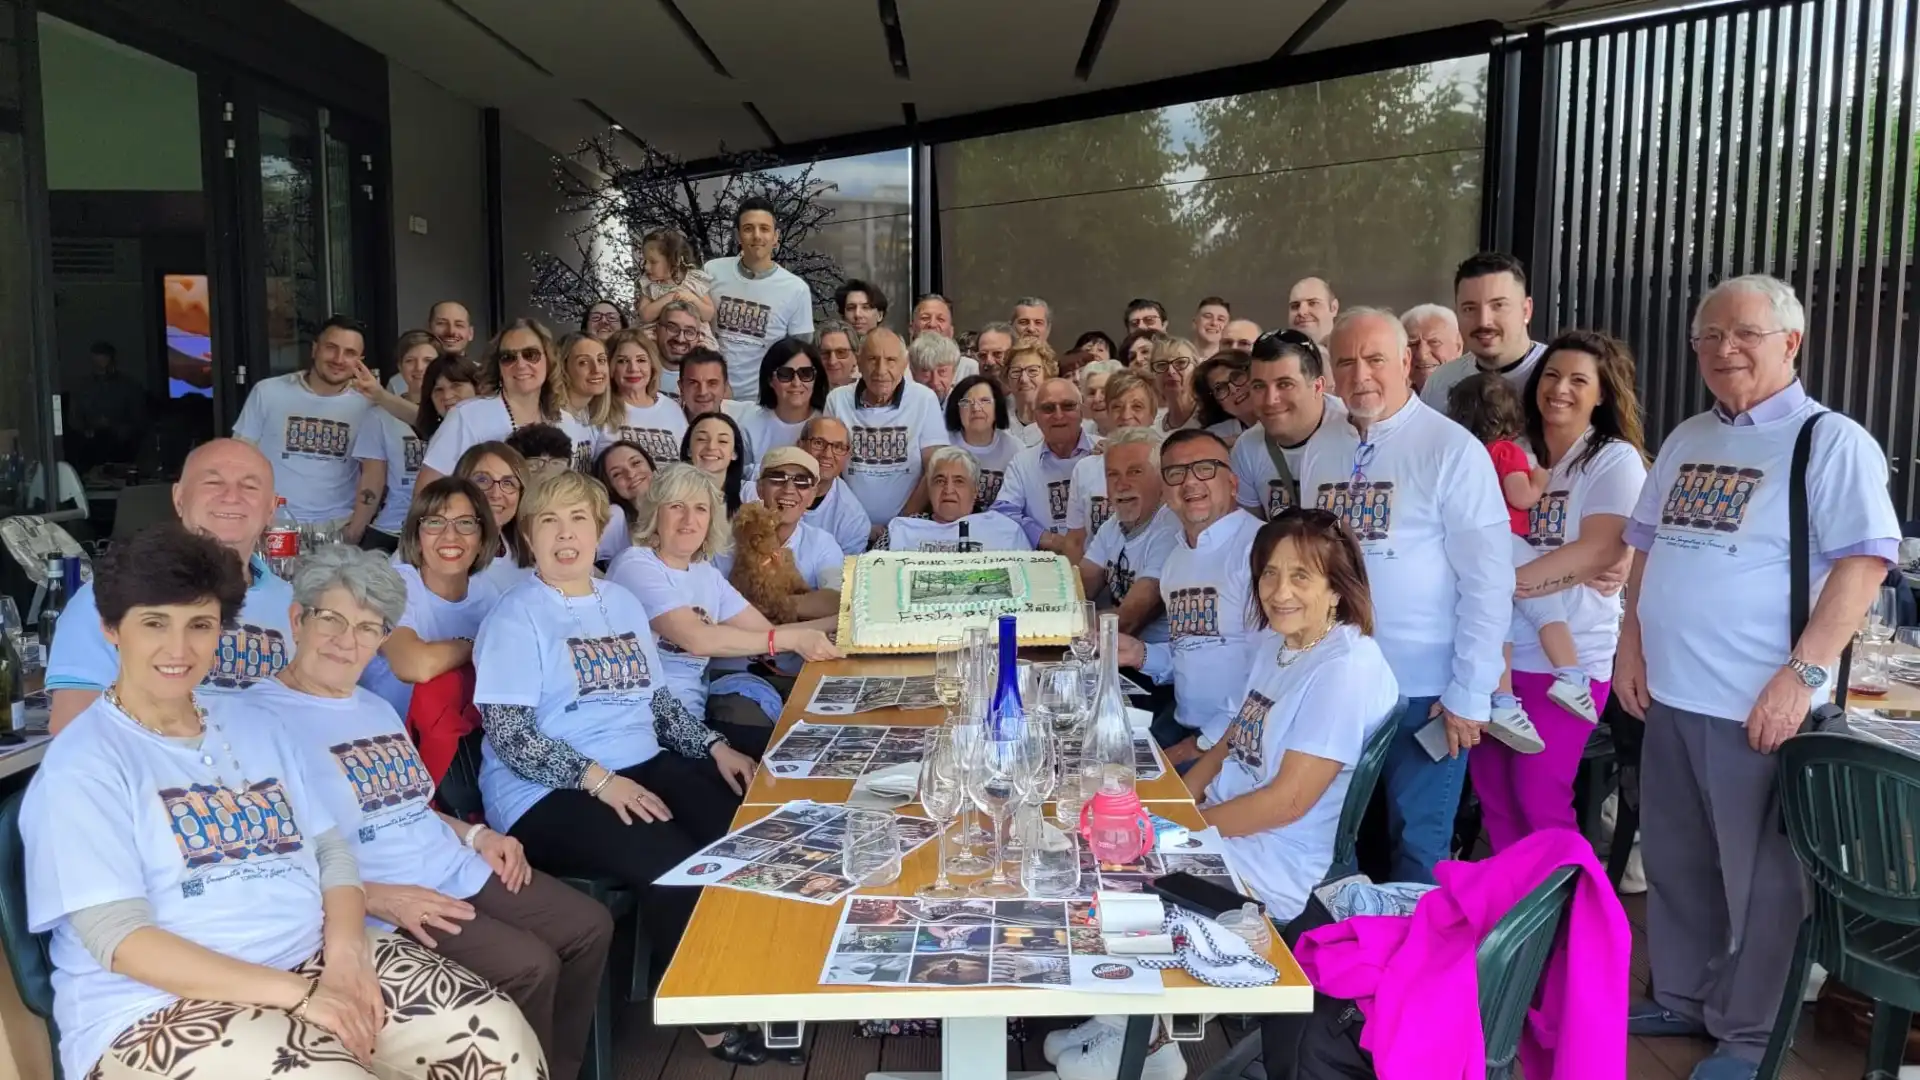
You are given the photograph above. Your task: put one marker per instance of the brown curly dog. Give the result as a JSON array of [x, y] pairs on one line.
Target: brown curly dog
[[763, 567]]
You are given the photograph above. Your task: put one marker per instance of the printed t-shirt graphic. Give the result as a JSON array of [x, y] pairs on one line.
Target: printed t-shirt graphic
[[386, 773], [316, 436], [247, 654], [1245, 734], [1366, 507], [738, 315], [215, 824], [1710, 498], [1057, 498], [609, 665], [1193, 613], [879, 446]]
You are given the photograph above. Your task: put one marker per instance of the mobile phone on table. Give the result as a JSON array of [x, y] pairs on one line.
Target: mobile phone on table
[[1204, 897]]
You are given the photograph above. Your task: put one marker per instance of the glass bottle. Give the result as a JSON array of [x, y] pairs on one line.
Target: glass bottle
[[1114, 823], [1006, 716]]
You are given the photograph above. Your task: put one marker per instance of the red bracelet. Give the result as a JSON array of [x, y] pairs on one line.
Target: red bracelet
[[770, 649]]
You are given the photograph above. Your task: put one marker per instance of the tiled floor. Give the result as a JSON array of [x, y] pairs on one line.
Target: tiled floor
[[836, 1053]]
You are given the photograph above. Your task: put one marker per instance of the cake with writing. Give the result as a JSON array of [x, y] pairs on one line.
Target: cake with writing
[[906, 601]]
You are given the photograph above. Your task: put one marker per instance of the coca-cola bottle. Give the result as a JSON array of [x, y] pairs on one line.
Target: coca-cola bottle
[[281, 542]]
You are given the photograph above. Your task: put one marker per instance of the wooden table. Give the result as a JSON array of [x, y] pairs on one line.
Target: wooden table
[[1900, 700], [752, 958], [768, 788]]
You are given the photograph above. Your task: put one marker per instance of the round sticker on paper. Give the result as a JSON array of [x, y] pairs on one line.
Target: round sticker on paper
[[1112, 972], [703, 869]]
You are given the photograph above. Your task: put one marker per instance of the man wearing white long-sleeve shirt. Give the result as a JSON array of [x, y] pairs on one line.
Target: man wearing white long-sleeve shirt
[[1039, 478], [1205, 585], [1421, 497], [1707, 656]]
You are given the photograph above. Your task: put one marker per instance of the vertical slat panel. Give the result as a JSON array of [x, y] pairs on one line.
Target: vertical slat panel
[[1877, 407], [1646, 167], [1855, 368], [1903, 436]]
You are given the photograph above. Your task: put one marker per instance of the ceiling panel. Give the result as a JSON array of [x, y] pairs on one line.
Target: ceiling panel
[[688, 130], [1141, 46], [592, 45], [437, 43], [845, 47], [800, 118], [982, 53], [1370, 20]]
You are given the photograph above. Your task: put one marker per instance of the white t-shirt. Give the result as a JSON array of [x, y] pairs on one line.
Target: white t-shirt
[[658, 428], [1466, 365], [765, 430], [888, 444], [670, 383], [993, 531], [309, 439], [588, 668], [751, 313], [1438, 543], [1129, 558], [815, 554], [503, 574], [1205, 588], [616, 537], [661, 588], [1714, 598], [841, 516], [83, 658], [1026, 434], [369, 774], [485, 419], [1260, 490], [225, 856], [387, 439], [432, 619], [1325, 703], [993, 459], [1610, 484], [1087, 495], [1038, 485]]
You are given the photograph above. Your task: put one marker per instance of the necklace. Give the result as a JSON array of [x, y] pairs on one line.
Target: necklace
[[1282, 659], [207, 728], [567, 602], [507, 403]]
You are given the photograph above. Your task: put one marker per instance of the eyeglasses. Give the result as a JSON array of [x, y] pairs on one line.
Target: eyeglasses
[[796, 481], [1052, 407], [1203, 470], [819, 447], [488, 483], [1362, 457], [1179, 365], [465, 526], [532, 354], [544, 465], [1233, 381], [603, 316], [789, 374], [335, 625], [1743, 337], [977, 404], [1025, 374], [672, 331]]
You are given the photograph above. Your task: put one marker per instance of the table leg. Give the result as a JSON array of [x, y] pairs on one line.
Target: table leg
[[965, 1053]]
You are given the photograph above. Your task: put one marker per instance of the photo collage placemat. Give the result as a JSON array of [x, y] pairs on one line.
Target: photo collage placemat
[[843, 751], [844, 695], [902, 941], [792, 853]]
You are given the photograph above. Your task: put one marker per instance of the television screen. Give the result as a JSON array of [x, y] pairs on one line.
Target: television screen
[[189, 335]]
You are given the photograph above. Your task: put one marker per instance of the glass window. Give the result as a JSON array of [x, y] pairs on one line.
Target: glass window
[[295, 304], [870, 230]]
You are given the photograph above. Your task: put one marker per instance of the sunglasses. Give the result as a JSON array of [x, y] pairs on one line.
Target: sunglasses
[[532, 354], [1051, 407], [789, 374], [796, 481]]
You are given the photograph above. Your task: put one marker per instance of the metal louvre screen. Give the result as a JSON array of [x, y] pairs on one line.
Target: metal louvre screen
[[1777, 139]]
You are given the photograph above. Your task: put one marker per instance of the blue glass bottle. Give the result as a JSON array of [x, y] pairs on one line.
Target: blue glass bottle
[[1006, 716]]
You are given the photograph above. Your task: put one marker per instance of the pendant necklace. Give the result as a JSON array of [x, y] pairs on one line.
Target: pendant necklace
[[209, 731]]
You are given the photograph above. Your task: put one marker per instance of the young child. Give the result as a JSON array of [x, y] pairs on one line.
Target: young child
[[671, 275], [1487, 406]]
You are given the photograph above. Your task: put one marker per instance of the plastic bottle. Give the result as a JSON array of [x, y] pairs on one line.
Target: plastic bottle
[[281, 542]]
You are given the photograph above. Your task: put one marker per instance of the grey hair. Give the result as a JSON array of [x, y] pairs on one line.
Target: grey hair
[[368, 577], [1034, 301], [930, 351], [679, 305], [1787, 309], [1348, 316], [1098, 367], [833, 326], [1068, 383], [951, 453], [1151, 437], [676, 482], [1414, 316], [1001, 328]]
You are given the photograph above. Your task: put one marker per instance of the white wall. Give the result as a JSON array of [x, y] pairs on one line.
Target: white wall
[[439, 173], [531, 223]]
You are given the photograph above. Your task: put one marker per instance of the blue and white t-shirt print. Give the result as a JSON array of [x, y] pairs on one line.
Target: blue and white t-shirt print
[[587, 667], [308, 439]]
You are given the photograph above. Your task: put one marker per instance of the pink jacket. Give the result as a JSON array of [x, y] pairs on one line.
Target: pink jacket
[[1414, 980]]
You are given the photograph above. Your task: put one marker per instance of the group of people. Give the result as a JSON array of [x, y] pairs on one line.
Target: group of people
[[627, 541]]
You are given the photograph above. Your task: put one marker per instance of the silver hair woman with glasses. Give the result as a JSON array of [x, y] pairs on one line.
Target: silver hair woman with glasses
[[953, 490], [459, 889]]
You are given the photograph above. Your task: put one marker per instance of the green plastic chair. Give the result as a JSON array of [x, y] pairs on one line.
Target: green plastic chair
[[1510, 961], [1852, 811], [26, 951], [1366, 777]]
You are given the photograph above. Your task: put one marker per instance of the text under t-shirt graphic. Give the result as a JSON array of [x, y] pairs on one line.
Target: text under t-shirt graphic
[[883, 446], [609, 664], [733, 315], [1366, 507], [316, 436], [215, 824], [1710, 498], [1193, 613], [246, 655], [1249, 727], [385, 772], [1547, 520]]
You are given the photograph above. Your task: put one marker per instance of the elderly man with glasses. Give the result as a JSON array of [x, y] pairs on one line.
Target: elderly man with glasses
[[833, 507], [1039, 479]]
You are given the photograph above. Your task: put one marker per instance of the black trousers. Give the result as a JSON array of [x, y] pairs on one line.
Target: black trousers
[[572, 834]]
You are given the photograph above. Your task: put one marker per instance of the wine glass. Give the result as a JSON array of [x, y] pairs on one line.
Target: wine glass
[[941, 796], [1036, 781], [1882, 617], [993, 783], [1056, 699], [949, 670], [961, 734], [1086, 632]]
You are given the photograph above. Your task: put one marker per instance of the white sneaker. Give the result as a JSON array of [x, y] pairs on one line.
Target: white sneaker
[[1510, 725], [1100, 1058], [1575, 698], [1059, 1042], [1633, 880]]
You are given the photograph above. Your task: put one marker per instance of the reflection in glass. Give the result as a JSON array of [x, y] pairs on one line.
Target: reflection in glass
[[340, 194], [295, 305]]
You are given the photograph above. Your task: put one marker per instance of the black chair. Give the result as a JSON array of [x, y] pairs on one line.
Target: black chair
[[26, 951], [459, 795]]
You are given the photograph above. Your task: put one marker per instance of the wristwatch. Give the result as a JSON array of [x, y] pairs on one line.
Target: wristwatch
[[1812, 676]]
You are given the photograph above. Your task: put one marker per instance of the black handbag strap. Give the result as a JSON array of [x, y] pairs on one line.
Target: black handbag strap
[[1283, 471], [1800, 551]]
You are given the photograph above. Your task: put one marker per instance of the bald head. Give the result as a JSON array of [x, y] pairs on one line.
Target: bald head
[[883, 364], [226, 491], [1312, 307]]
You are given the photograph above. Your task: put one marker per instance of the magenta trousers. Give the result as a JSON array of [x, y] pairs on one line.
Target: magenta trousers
[[1521, 794]]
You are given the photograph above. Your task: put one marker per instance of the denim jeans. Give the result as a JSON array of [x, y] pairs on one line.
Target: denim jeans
[[1422, 797]]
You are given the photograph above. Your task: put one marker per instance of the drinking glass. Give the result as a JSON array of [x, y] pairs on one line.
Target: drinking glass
[[1057, 701], [949, 670], [993, 783], [1036, 782], [1050, 867], [941, 796], [870, 849], [962, 736], [1086, 632]]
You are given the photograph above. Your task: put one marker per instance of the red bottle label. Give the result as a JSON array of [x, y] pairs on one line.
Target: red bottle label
[[283, 544]]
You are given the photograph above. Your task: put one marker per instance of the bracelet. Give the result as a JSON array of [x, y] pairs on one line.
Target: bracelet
[[770, 648], [605, 779], [300, 1011], [472, 833]]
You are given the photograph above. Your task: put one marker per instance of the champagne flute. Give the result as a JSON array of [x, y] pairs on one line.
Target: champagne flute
[[941, 795], [1086, 632], [993, 783], [962, 735], [949, 670], [1036, 780]]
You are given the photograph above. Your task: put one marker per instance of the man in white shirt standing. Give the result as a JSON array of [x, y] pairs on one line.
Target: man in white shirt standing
[[756, 301], [894, 424], [1209, 322], [304, 422], [1421, 497], [1288, 380], [1707, 658], [451, 326], [1205, 586], [1493, 306], [1039, 478]]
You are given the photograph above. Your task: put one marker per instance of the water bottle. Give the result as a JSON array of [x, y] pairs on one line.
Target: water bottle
[[281, 542], [1114, 823], [1006, 716], [55, 602], [967, 545]]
